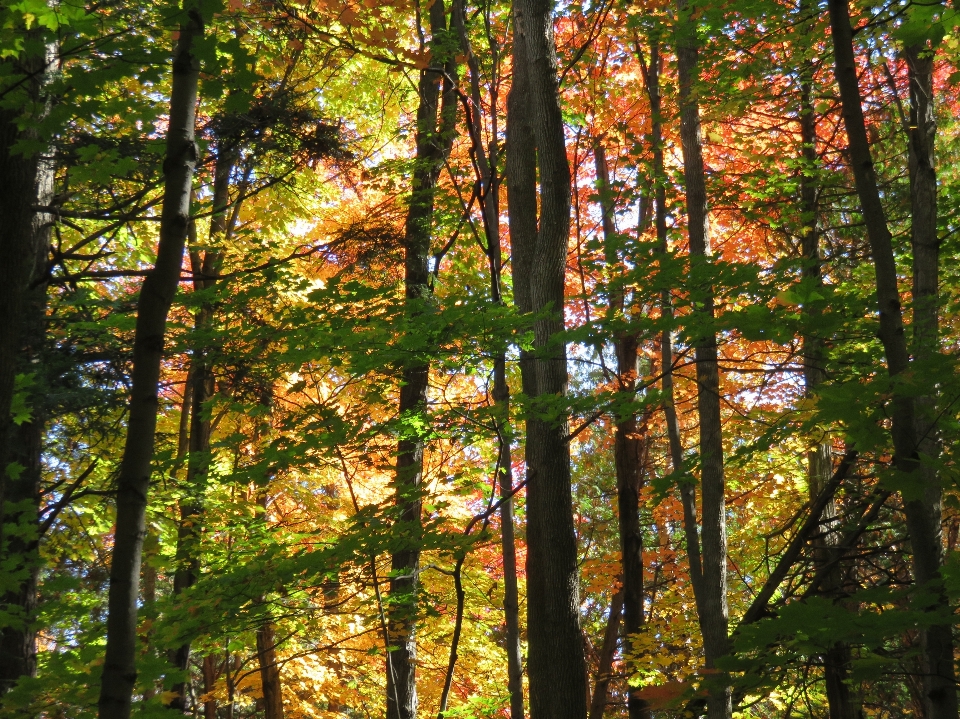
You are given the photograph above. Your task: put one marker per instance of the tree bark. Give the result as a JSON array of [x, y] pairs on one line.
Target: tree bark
[[27, 180], [433, 142], [20, 493], [556, 665], [269, 672], [712, 602], [923, 516], [936, 643], [521, 176], [156, 295]]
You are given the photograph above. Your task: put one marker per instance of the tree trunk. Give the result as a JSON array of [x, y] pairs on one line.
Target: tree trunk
[[939, 686], [205, 267], [156, 295], [712, 602], [209, 680], [556, 663], [628, 442], [836, 662], [433, 142], [521, 175], [269, 672], [923, 515], [490, 206], [20, 492], [598, 700], [27, 180]]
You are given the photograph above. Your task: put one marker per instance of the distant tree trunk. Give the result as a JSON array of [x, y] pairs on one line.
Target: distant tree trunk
[[923, 513], [433, 143], [712, 602], [27, 180], [598, 700], [209, 680], [205, 266], [556, 663], [836, 662], [688, 498], [269, 672], [156, 295], [490, 204], [628, 442]]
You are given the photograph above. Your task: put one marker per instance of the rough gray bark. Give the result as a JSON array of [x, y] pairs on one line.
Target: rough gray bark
[[521, 176], [433, 142], [156, 295], [923, 516], [712, 602], [628, 441], [556, 666]]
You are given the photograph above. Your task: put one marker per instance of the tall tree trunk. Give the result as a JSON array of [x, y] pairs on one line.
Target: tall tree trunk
[[923, 515], [836, 661], [939, 685], [27, 180], [205, 266], [433, 142], [688, 498], [490, 206], [521, 176], [628, 442], [556, 663], [712, 602], [156, 295], [20, 493]]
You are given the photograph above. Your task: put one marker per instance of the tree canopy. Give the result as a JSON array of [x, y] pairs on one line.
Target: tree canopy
[[479, 359]]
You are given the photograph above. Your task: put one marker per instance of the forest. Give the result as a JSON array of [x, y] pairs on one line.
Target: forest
[[477, 359]]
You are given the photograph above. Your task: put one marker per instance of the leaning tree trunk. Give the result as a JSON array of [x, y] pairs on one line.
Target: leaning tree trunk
[[923, 515], [433, 143], [628, 442], [156, 295], [712, 602], [556, 665]]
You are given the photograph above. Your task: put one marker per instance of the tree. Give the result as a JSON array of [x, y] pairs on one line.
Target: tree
[[156, 296]]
